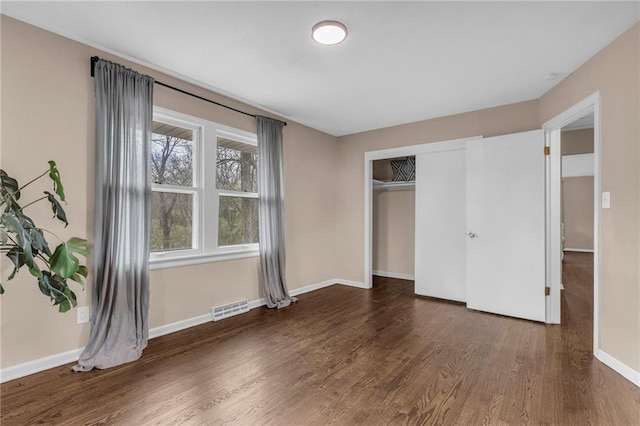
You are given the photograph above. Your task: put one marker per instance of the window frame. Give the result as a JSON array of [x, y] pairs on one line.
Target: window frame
[[206, 198]]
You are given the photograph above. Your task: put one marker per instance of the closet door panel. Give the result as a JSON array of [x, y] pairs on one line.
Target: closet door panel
[[440, 241]]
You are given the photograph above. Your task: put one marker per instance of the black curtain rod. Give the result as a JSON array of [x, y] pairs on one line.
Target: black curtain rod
[[95, 59]]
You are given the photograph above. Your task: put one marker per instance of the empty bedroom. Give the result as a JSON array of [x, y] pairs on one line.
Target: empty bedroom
[[310, 212]]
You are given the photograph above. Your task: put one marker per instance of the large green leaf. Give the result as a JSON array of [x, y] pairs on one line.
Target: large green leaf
[[56, 288], [38, 242], [58, 211], [16, 255], [63, 262], [8, 185], [80, 276], [54, 174], [23, 238]]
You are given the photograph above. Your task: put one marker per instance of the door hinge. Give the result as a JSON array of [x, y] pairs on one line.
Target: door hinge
[[547, 291], [547, 150]]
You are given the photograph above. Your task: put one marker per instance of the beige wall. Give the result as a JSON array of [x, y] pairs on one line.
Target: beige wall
[[47, 113], [394, 231], [577, 194], [615, 72], [382, 170], [577, 210], [577, 142]]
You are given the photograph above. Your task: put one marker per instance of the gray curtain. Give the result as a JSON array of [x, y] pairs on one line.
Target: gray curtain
[[271, 213], [119, 324]]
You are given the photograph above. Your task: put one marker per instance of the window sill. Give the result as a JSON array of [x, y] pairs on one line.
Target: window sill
[[196, 259]]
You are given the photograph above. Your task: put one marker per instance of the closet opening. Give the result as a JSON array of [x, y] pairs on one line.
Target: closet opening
[[393, 218]]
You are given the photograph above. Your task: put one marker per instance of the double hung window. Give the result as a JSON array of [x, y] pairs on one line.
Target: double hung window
[[204, 201]]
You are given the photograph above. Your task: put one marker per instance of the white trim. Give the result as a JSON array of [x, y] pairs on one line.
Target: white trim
[[579, 250], [295, 292], [553, 232], [174, 262], [312, 287], [30, 367], [369, 157], [619, 367], [393, 186], [179, 325], [387, 274], [350, 283], [41, 364], [553, 127]]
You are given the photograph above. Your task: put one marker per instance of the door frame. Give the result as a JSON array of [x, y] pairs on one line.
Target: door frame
[[553, 128], [369, 157]]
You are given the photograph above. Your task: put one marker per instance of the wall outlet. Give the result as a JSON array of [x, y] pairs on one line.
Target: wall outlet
[[82, 315]]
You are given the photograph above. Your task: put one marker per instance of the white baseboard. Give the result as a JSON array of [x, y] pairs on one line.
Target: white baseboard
[[351, 283], [312, 287], [257, 303], [578, 250], [387, 274], [56, 360], [619, 367], [179, 325], [37, 365]]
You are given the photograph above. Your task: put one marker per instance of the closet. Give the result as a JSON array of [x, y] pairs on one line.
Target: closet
[[393, 217]]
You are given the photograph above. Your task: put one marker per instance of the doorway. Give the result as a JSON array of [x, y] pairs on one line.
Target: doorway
[[582, 116]]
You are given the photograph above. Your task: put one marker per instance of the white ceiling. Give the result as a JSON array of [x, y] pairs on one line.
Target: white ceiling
[[402, 61]]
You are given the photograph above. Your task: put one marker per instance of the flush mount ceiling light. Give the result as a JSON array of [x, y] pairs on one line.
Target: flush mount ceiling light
[[329, 32]]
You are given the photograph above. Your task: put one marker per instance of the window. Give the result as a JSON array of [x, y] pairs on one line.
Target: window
[[237, 183], [173, 196], [204, 201]]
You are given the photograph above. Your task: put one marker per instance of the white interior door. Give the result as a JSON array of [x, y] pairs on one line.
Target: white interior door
[[505, 221], [440, 244]]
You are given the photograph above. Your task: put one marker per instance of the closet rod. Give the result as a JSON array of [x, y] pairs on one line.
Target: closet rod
[[95, 59]]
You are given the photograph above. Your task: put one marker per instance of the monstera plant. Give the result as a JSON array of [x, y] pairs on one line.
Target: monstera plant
[[25, 244]]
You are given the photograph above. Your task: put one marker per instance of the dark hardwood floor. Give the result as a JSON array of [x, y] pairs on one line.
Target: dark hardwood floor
[[343, 355]]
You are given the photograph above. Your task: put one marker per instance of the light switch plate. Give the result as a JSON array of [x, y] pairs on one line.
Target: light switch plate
[[606, 200]]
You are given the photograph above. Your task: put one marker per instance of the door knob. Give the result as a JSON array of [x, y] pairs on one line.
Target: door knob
[[471, 235]]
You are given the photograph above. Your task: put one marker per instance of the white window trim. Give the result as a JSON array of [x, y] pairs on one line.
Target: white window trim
[[206, 195]]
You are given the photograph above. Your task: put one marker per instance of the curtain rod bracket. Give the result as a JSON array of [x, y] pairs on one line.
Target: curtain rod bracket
[[95, 59]]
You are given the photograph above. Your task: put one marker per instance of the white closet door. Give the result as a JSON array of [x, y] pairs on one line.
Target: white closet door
[[505, 219], [440, 250]]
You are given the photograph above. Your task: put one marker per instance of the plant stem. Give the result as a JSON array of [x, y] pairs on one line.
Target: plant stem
[[44, 259], [33, 202], [31, 181], [47, 231]]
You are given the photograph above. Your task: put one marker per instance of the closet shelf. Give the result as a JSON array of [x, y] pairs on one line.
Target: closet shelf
[[389, 186]]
